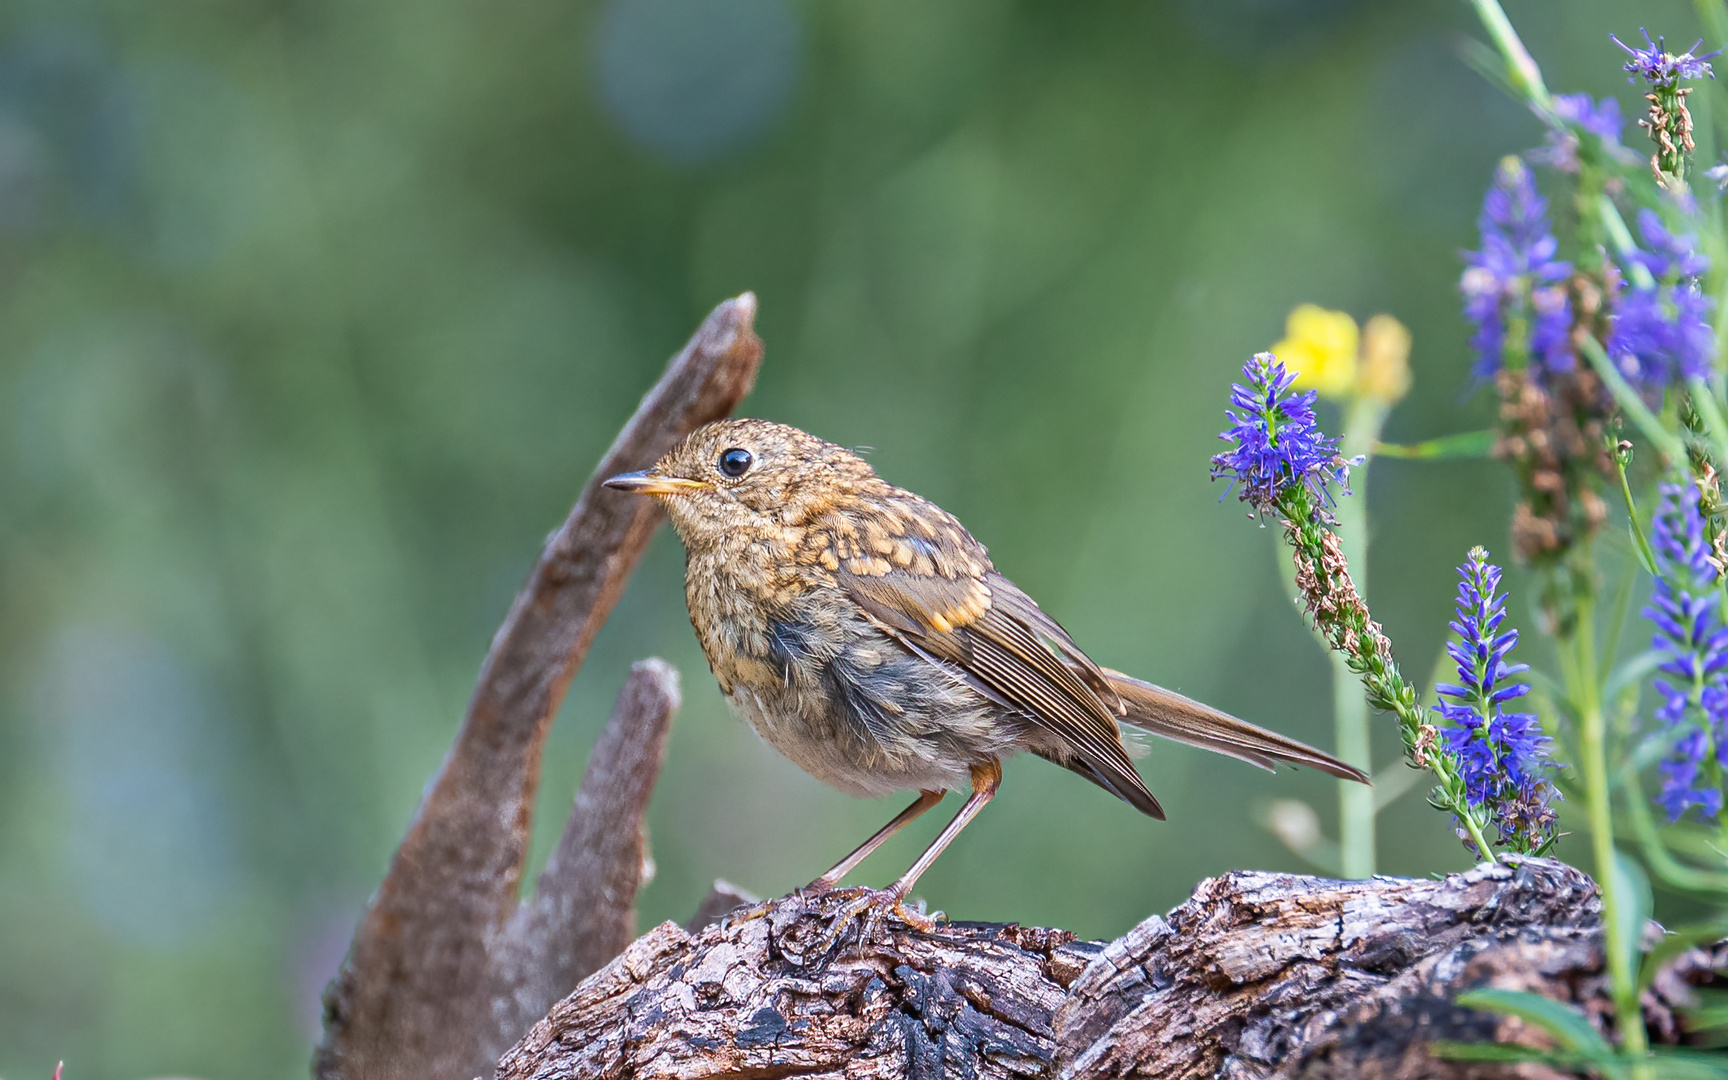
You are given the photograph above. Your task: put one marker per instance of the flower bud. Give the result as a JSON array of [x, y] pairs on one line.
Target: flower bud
[[1385, 372]]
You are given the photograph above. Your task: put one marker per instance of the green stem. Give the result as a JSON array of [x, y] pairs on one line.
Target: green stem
[[1593, 763], [1621, 237], [1363, 420], [1484, 850], [1323, 576], [1520, 67], [1645, 554]]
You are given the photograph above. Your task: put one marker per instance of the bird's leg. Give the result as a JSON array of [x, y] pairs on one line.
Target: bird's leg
[[986, 778], [925, 800]]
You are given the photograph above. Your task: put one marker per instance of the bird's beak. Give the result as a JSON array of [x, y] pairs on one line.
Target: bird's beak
[[650, 483]]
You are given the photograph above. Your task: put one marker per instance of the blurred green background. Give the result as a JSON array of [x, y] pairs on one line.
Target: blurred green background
[[314, 316]]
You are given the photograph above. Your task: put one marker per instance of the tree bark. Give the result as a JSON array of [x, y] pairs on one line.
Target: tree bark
[[1256, 975]]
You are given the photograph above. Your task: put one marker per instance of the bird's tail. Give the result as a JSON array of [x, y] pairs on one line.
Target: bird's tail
[[1167, 713]]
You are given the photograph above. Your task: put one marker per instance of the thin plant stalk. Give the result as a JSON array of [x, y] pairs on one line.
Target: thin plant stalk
[[1584, 688], [1363, 421], [1349, 630], [1525, 75]]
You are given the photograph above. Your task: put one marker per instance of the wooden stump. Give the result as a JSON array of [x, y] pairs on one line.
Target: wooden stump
[[1256, 975]]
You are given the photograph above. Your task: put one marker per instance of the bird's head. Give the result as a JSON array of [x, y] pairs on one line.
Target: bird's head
[[738, 474]]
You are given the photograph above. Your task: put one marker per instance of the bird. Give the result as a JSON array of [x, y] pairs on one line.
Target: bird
[[865, 634]]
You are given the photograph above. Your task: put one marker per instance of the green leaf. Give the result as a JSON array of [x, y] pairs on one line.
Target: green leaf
[[1566, 1025], [1512, 1053], [1711, 1013], [1631, 671], [1673, 873], [1466, 444], [1673, 1064], [1464, 1051], [1653, 748], [1715, 424], [1484, 61], [1632, 889]]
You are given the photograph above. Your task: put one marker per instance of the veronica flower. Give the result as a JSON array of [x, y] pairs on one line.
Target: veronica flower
[[1668, 256], [1669, 121], [1285, 466], [1514, 287], [1661, 68], [1661, 333], [1579, 113], [1275, 444], [1692, 641], [1503, 756]]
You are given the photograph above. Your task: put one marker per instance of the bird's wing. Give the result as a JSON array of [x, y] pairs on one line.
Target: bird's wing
[[979, 623]]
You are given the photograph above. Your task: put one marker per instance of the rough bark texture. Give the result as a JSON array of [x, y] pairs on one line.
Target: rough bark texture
[[584, 911], [774, 991], [1256, 975], [418, 995]]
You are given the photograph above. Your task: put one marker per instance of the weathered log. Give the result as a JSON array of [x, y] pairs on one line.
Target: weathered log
[[439, 979], [1256, 975], [1259, 973], [743, 998]]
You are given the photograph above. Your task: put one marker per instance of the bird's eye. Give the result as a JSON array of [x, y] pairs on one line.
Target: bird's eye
[[736, 461]]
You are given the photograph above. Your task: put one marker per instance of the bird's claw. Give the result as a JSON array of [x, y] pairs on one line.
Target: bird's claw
[[917, 920], [874, 905]]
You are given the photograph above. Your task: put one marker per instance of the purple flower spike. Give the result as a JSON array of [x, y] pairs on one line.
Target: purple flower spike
[[1503, 755], [1662, 334], [1668, 255], [1663, 69], [1600, 118], [1275, 443], [1514, 287], [1579, 113], [1692, 640]]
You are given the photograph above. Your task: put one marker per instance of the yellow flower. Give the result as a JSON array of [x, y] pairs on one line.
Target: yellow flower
[[1385, 371], [1320, 346]]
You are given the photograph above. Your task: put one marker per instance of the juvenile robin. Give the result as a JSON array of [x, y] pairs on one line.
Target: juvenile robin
[[864, 633]]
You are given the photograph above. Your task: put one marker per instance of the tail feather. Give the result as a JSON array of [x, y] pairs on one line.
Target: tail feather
[[1134, 792], [1169, 714]]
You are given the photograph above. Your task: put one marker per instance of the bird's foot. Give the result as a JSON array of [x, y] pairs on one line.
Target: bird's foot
[[917, 920], [873, 906]]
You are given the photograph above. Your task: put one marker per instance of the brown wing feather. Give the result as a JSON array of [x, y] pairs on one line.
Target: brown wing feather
[[994, 634]]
